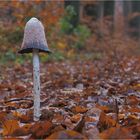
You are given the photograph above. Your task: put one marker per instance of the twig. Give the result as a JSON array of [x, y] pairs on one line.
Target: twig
[[116, 111], [17, 99]]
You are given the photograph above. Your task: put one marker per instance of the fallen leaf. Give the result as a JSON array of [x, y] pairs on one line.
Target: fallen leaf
[[58, 118], [131, 120], [58, 128], [92, 133], [12, 104], [67, 134], [67, 123], [105, 122], [76, 118], [117, 133], [103, 108], [28, 117], [134, 110], [2, 116], [22, 131], [20, 88], [9, 127], [89, 119], [135, 130], [79, 109], [133, 100], [41, 129], [80, 125]]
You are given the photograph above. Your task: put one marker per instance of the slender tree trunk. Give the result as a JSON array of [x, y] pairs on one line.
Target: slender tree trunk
[[127, 7], [101, 15], [118, 17], [127, 12]]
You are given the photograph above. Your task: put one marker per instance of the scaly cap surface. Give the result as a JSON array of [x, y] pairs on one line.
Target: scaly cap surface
[[34, 37]]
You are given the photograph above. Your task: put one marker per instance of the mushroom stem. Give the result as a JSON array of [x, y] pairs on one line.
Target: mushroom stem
[[36, 85]]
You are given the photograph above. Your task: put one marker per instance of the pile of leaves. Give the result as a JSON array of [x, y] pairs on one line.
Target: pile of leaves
[[79, 100]]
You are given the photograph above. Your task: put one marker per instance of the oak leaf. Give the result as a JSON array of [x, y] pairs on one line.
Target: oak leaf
[[76, 118], [67, 134], [9, 127], [41, 129], [2, 116], [103, 108], [79, 109], [105, 122], [24, 130], [117, 133]]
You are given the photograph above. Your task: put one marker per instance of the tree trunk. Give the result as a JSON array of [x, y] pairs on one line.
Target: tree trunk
[[118, 17], [101, 15], [127, 7]]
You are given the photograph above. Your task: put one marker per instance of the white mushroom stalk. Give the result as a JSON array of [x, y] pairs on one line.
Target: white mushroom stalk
[[34, 41], [36, 85]]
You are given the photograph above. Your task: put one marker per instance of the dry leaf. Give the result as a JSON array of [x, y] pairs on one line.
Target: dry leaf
[[89, 119], [76, 118], [58, 118], [103, 108], [80, 125], [22, 131], [2, 116], [117, 133], [105, 122], [41, 129], [79, 109], [67, 134], [12, 104], [9, 127], [28, 117]]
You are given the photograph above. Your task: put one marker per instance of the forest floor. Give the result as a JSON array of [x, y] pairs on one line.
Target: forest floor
[[97, 99]]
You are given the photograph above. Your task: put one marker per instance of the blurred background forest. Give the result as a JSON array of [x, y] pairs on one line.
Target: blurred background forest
[[76, 29]]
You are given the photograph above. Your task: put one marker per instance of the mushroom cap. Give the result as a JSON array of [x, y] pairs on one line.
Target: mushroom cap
[[34, 37]]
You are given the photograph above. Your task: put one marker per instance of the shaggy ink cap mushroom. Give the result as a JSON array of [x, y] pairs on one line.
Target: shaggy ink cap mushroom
[[34, 37], [34, 41]]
